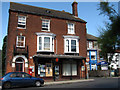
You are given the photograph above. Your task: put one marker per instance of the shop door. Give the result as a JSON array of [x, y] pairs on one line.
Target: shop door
[[49, 71]]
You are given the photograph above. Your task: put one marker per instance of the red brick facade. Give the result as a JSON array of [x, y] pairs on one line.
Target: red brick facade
[[33, 26]]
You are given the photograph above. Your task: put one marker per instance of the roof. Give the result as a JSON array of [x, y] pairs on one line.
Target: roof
[[43, 12], [91, 37]]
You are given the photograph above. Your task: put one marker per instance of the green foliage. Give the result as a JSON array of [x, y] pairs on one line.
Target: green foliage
[[4, 54], [109, 38]]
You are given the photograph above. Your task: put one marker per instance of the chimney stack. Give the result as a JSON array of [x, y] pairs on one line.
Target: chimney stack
[[74, 8]]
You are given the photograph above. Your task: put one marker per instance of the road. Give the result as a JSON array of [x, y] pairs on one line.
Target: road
[[97, 83]]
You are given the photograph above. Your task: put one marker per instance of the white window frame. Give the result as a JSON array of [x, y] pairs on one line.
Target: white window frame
[[21, 21], [65, 44], [70, 28], [90, 44], [42, 46], [45, 22], [20, 41]]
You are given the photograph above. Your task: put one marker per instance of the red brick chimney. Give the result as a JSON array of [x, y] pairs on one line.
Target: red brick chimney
[[74, 8]]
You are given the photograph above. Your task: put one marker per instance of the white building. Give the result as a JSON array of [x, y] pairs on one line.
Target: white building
[[115, 60]]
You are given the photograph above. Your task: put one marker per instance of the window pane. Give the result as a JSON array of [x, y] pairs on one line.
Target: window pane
[[90, 44], [47, 43], [73, 45], [21, 41], [21, 21], [73, 48], [74, 69], [71, 28], [66, 70], [73, 42], [67, 45], [47, 40], [45, 25], [40, 43]]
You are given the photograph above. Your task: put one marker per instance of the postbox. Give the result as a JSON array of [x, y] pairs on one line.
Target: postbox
[[30, 71]]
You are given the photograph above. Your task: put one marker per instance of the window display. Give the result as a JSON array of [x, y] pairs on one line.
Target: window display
[[49, 71], [41, 70]]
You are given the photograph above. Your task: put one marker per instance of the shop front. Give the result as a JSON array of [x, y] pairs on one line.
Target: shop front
[[59, 67]]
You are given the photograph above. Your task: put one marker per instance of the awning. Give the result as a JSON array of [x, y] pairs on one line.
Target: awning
[[58, 56]]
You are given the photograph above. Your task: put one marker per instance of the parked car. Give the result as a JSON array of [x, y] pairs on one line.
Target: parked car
[[20, 79]]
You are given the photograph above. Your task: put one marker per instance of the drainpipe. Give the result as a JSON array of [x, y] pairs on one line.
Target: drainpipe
[[71, 68], [56, 46]]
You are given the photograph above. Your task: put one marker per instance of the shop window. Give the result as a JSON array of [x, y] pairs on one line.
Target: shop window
[[42, 70], [67, 69], [93, 57], [45, 70], [21, 22]]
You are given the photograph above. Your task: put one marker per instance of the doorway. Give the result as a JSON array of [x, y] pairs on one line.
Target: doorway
[[19, 65]]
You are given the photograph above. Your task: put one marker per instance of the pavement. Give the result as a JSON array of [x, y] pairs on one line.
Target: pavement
[[68, 81]]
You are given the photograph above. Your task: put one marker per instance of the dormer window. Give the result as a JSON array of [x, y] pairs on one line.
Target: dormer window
[[71, 29], [45, 25], [21, 22], [20, 42]]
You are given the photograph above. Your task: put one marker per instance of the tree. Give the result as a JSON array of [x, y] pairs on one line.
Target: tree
[[109, 38], [4, 54]]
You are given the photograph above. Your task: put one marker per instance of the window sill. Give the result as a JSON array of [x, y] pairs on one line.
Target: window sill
[[71, 52], [20, 47], [20, 28], [46, 30], [44, 51], [71, 33]]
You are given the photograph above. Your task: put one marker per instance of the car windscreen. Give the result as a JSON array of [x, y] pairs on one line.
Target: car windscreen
[[5, 75]]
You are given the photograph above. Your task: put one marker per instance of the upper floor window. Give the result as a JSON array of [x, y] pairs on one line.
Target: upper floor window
[[45, 25], [71, 29], [71, 45], [20, 41], [21, 22], [90, 44], [45, 42]]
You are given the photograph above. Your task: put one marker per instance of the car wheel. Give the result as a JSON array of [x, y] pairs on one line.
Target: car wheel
[[37, 83], [7, 85]]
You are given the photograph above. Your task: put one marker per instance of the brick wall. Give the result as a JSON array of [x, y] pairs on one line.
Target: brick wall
[[57, 26]]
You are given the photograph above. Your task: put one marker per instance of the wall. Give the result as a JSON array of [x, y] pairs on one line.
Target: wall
[[99, 73], [57, 26]]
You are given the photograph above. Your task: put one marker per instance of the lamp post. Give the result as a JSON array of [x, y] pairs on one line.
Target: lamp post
[[87, 70]]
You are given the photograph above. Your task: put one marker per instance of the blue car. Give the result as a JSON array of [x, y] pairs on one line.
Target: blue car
[[20, 79]]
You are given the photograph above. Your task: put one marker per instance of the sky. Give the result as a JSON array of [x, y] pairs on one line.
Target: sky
[[86, 11]]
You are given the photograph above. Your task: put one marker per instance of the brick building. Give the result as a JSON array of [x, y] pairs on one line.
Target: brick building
[[93, 51], [51, 42]]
